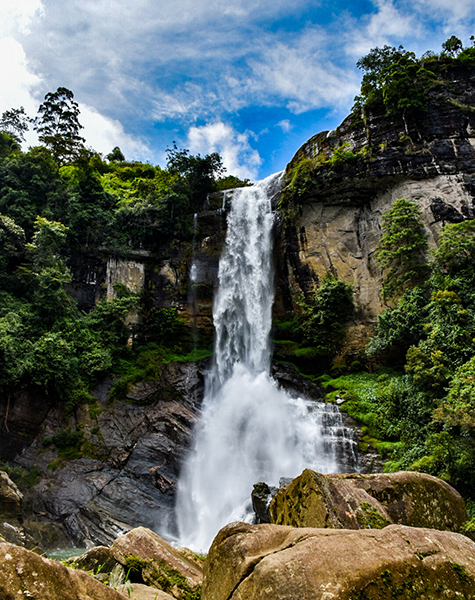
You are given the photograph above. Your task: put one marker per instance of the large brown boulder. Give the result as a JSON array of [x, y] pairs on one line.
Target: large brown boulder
[[358, 501], [10, 497], [262, 562], [24, 574], [159, 564]]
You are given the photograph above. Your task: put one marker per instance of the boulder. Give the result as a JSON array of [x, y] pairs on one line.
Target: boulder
[[355, 501], [138, 591], [98, 560], [258, 562], [10, 497], [261, 498], [147, 556], [24, 574]]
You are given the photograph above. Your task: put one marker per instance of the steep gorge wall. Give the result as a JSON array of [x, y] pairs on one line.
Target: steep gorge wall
[[334, 223]]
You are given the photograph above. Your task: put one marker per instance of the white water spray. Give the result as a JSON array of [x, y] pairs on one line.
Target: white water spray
[[250, 430]]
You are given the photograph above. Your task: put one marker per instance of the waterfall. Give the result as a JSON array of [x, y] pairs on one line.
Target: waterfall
[[250, 430]]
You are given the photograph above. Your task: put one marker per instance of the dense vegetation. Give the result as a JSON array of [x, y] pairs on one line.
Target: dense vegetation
[[62, 198]]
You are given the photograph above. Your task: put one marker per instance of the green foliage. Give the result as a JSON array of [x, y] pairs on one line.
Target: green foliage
[[116, 155], [197, 175], [401, 250], [58, 124], [231, 181], [342, 154], [14, 122], [402, 82], [299, 180], [325, 312], [23, 478], [454, 260], [400, 327], [453, 46]]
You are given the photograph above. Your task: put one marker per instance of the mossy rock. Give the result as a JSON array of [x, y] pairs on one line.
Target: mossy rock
[[355, 501]]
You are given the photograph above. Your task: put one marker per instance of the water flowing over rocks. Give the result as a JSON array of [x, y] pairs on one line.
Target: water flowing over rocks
[[258, 562], [250, 429]]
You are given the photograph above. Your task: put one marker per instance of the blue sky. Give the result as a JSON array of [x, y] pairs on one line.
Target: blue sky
[[251, 79]]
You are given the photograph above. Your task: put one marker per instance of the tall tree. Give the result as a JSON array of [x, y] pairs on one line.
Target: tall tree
[[15, 122], [58, 125], [401, 250]]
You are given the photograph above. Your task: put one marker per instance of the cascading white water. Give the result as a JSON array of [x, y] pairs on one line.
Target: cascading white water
[[250, 430]]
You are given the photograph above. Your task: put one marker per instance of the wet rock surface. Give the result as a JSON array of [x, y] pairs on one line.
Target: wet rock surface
[[257, 562], [127, 469]]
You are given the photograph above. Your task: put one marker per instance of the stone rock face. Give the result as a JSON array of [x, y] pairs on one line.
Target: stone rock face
[[259, 562], [24, 574], [146, 558], [429, 160], [358, 501], [10, 497], [127, 476], [153, 553], [139, 591]]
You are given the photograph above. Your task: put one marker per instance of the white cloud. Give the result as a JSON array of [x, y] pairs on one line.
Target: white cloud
[[16, 15], [302, 75], [19, 85], [387, 24], [285, 125], [238, 156], [103, 134]]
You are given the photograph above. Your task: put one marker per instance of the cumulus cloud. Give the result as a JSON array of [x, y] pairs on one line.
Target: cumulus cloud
[[103, 134], [388, 23], [238, 156], [19, 85]]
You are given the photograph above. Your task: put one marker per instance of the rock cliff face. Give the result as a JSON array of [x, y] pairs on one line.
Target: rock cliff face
[[333, 223], [126, 473]]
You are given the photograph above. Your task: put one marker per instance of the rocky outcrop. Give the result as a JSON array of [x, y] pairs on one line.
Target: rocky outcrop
[[258, 562], [142, 557], [358, 501], [157, 560], [333, 223], [123, 473], [10, 497], [24, 574]]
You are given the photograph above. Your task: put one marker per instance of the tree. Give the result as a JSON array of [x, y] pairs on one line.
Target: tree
[[372, 65], [325, 313], [453, 46], [116, 155], [58, 125], [198, 174], [401, 250], [14, 122], [454, 260]]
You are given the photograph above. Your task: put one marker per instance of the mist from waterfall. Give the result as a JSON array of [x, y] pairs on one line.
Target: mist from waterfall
[[250, 431]]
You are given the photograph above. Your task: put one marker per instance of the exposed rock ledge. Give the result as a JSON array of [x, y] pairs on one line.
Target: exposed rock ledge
[[258, 562]]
